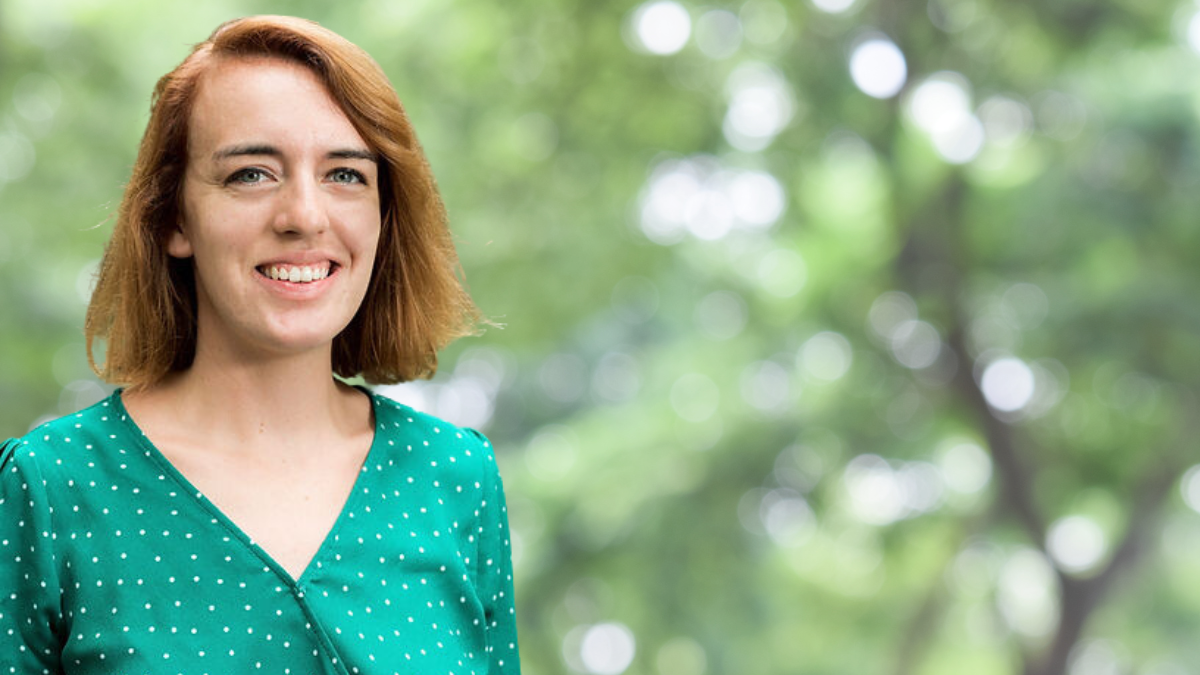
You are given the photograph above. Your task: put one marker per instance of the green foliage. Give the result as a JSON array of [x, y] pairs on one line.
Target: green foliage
[[715, 440]]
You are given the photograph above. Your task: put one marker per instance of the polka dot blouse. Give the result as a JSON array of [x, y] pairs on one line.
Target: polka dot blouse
[[112, 562]]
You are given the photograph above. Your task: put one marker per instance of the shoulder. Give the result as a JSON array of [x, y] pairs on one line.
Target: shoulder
[[57, 441], [412, 431]]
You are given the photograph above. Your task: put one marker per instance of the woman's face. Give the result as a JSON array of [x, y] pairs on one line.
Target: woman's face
[[280, 210]]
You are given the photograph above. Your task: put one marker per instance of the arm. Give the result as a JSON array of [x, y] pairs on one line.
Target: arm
[[495, 572], [30, 606]]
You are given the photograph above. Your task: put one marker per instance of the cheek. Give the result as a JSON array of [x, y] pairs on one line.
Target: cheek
[[376, 238], [368, 256], [369, 234]]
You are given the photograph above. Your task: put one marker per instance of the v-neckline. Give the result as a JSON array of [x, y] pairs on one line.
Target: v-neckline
[[198, 496]]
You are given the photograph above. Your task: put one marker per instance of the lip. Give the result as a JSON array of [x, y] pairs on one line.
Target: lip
[[301, 258]]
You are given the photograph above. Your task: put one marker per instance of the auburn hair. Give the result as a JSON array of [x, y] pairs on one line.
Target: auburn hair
[[144, 303]]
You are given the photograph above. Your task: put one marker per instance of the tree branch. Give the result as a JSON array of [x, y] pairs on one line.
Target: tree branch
[[1081, 596], [1016, 479]]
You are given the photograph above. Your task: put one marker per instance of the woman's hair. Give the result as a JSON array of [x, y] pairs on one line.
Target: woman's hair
[[144, 304]]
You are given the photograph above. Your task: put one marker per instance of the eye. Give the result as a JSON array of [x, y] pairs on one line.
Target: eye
[[247, 176], [348, 176]]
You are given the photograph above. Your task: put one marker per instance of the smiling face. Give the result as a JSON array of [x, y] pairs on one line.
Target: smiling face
[[280, 212]]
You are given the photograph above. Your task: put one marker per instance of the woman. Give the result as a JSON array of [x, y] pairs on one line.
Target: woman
[[234, 508]]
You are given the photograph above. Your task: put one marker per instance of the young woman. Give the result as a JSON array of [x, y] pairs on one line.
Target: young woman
[[235, 508]]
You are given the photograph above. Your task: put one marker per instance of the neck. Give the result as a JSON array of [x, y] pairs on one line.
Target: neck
[[285, 405]]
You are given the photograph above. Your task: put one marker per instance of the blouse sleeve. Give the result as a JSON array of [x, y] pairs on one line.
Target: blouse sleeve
[[496, 574], [30, 606]]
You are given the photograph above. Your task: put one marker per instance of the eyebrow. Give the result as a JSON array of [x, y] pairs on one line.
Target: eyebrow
[[272, 151]]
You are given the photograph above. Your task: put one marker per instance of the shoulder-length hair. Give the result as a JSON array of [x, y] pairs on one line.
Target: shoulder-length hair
[[144, 303]]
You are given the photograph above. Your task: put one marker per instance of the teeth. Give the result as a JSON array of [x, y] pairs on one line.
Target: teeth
[[297, 274]]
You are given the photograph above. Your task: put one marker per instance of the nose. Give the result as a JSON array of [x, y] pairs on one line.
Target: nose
[[302, 209]]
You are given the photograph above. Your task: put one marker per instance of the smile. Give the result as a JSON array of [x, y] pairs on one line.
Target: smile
[[297, 274]]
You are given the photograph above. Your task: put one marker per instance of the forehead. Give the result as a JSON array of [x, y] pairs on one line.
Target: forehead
[[265, 99]]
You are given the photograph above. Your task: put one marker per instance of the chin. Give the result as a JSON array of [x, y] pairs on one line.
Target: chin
[[283, 341]]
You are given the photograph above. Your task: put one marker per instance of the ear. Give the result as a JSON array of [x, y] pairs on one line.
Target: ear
[[178, 245]]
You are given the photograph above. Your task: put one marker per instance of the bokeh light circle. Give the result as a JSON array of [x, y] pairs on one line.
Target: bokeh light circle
[[966, 468], [833, 6], [1027, 593], [718, 33], [1190, 487], [1006, 122], [916, 344], [826, 356], [607, 648], [698, 197], [1193, 33], [1007, 384], [941, 106], [721, 314], [940, 101], [878, 68], [1076, 543], [663, 27], [757, 198], [960, 143], [761, 104]]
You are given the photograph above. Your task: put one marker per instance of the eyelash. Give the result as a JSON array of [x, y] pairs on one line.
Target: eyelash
[[357, 175], [239, 175]]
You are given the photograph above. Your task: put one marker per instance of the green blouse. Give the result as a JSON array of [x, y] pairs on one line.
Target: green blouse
[[112, 562]]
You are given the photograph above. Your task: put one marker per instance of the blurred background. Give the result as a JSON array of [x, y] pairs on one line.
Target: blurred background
[[841, 336]]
